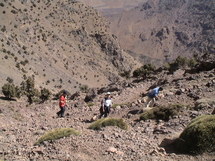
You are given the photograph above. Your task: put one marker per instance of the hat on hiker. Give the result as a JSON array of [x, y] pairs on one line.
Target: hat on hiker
[[108, 93]]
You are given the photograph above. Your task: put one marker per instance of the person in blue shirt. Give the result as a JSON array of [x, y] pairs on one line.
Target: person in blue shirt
[[153, 95]]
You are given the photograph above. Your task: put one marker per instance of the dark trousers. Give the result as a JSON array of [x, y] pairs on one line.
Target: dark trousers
[[104, 112], [61, 112]]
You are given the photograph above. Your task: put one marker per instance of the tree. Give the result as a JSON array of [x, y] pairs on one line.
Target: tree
[[144, 70], [9, 90], [45, 94], [182, 62], [28, 89]]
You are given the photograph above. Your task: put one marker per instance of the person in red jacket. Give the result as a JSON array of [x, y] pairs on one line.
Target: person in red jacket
[[62, 104]]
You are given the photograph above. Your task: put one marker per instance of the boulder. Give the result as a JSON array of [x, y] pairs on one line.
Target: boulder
[[112, 149]]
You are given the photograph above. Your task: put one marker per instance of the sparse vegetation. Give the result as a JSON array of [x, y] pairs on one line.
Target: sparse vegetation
[[181, 62], [10, 90], [144, 71], [45, 95], [97, 125], [61, 92], [126, 74], [90, 104], [2, 4], [28, 89], [162, 112], [199, 136], [57, 134], [84, 88]]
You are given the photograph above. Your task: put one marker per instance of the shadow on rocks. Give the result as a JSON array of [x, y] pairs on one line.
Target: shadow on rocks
[[172, 145], [7, 99]]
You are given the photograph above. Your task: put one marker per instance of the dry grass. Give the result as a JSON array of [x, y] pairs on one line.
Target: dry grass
[[97, 125], [57, 134], [199, 136], [162, 112]]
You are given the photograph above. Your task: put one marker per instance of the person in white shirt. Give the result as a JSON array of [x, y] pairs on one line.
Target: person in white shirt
[[106, 105]]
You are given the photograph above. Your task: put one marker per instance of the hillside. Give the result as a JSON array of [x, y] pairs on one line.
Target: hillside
[[62, 44], [160, 30], [111, 7], [22, 125]]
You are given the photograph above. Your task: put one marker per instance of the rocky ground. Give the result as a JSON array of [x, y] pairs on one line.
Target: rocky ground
[[22, 125]]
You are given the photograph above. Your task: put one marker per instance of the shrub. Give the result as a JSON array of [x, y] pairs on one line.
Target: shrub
[[2, 4], [90, 104], [181, 62], [126, 74], [97, 125], [84, 88], [45, 94], [144, 71], [28, 89], [161, 113], [61, 92], [57, 134], [198, 136], [204, 103], [9, 80], [9, 90]]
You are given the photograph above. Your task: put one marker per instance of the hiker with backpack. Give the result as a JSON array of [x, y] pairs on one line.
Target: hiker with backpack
[[152, 96], [106, 105], [62, 104]]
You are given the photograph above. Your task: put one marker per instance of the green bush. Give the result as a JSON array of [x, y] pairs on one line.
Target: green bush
[[61, 92], [181, 62], [97, 125], [144, 71], [84, 88], [9, 80], [57, 134], [10, 90], [28, 89], [161, 113], [45, 94], [126, 74], [90, 104], [199, 136]]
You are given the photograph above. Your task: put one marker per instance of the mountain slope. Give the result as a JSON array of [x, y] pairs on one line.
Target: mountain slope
[[110, 7], [63, 44], [160, 30], [157, 31]]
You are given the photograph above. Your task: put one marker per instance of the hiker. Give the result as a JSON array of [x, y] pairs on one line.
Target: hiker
[[62, 104], [106, 104], [152, 96]]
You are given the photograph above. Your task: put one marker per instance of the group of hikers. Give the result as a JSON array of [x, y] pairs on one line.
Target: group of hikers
[[106, 102]]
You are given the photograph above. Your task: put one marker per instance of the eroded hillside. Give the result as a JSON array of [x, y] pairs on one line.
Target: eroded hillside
[[161, 30], [63, 44]]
